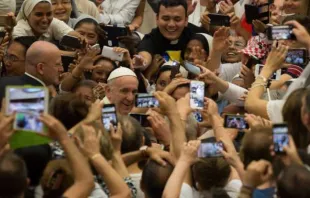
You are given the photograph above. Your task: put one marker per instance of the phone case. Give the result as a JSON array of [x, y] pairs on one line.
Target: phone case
[[275, 76], [113, 32], [109, 53], [219, 20], [192, 68], [71, 41]]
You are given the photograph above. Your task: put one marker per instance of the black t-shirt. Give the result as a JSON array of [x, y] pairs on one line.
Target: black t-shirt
[[156, 43]]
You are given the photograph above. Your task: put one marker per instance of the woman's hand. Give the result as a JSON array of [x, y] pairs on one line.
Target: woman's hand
[[56, 129], [116, 137]]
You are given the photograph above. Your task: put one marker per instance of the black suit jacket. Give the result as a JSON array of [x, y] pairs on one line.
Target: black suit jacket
[[35, 157]]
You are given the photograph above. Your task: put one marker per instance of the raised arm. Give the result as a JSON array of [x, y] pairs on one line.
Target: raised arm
[[83, 178], [91, 149], [138, 19]]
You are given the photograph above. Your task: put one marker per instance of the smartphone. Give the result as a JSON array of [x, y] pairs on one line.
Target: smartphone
[[281, 32], [253, 60], [66, 61], [71, 41], [109, 116], [109, 53], [113, 32], [6, 21], [253, 12], [175, 69], [96, 46], [192, 68], [141, 118], [210, 149], [28, 103], [280, 137], [198, 116], [197, 93], [297, 57], [219, 20], [146, 101], [235, 121], [275, 76]]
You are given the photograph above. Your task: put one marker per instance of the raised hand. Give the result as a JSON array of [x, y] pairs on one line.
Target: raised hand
[[226, 7], [174, 84], [6, 129], [277, 56], [257, 173], [220, 39], [300, 32], [189, 151], [166, 103], [86, 63], [56, 129], [116, 137]]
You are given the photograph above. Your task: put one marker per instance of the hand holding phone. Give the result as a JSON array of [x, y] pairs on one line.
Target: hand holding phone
[[275, 76], [280, 137], [6, 20], [192, 68], [108, 52], [297, 57], [141, 118]]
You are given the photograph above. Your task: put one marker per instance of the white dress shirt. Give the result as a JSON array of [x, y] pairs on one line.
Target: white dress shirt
[[118, 12]]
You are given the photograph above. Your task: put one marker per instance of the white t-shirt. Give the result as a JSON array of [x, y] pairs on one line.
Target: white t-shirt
[[136, 178], [227, 71], [233, 188]]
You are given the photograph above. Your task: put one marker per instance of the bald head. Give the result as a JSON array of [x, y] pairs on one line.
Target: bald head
[[43, 60], [39, 51]]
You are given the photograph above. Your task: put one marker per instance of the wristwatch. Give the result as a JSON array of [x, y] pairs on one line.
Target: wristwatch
[[143, 150]]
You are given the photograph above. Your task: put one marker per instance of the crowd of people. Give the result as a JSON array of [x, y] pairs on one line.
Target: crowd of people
[[175, 105]]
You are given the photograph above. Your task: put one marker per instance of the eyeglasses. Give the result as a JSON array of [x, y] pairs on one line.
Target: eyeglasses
[[11, 58]]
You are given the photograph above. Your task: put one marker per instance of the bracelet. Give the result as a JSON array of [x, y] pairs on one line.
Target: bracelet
[[258, 85], [95, 156], [261, 77]]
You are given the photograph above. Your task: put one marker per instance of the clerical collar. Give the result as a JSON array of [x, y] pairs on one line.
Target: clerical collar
[[174, 42]]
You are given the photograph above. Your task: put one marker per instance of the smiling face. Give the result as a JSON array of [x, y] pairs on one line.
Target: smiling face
[[296, 6], [233, 54], [163, 80], [40, 18], [101, 73], [62, 9], [171, 21], [89, 31], [121, 92], [14, 61]]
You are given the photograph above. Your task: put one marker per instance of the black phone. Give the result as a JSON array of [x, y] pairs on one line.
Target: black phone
[[146, 101], [280, 137], [253, 60], [175, 69], [297, 57], [253, 12], [141, 118], [109, 116], [235, 121], [66, 61], [219, 20], [6, 20], [2, 35], [210, 149], [281, 32], [71, 41], [113, 32]]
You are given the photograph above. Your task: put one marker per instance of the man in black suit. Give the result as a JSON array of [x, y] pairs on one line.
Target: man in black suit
[[42, 68]]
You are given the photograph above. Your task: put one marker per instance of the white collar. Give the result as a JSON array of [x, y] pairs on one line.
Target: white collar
[[31, 76], [174, 42]]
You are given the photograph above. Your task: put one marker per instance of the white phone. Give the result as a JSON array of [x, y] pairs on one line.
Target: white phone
[[109, 53], [197, 93], [192, 68], [276, 75]]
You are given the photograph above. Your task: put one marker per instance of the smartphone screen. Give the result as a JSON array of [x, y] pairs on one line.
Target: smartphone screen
[[192, 68], [71, 41], [296, 57], [284, 32], [235, 122], [198, 116], [28, 103], [219, 20], [210, 149], [141, 118], [280, 137], [146, 101], [109, 116], [175, 69], [197, 93]]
